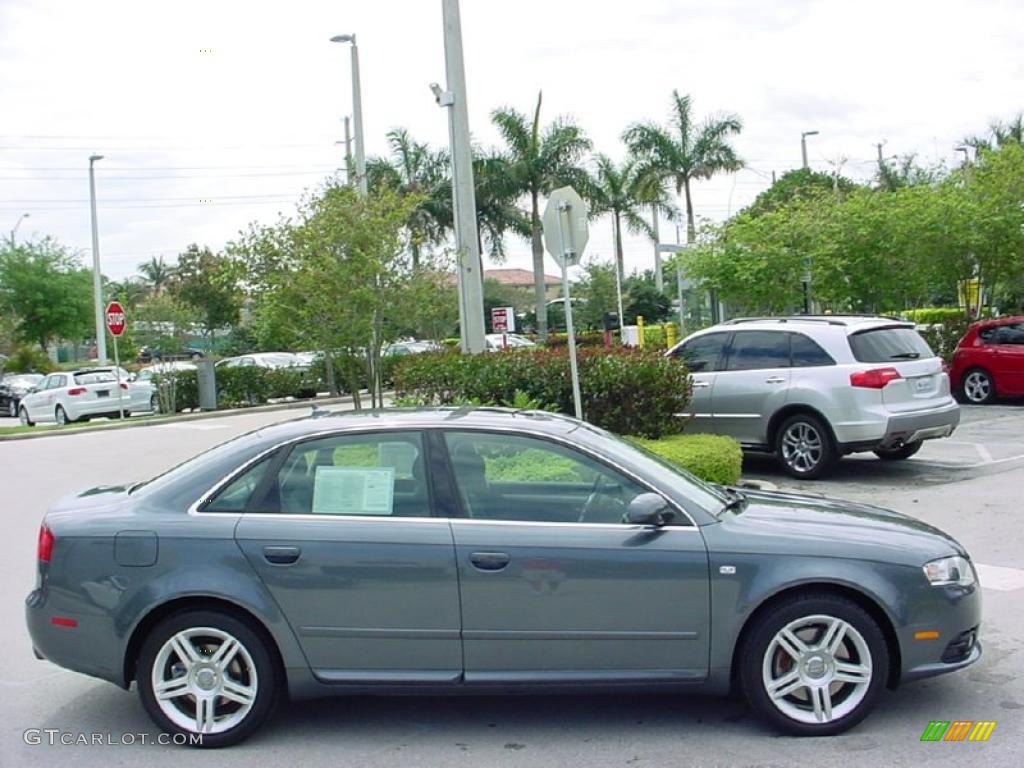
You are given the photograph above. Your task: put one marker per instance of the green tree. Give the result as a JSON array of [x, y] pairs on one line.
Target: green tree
[[540, 160], [597, 287], [797, 184], [208, 282], [47, 290], [648, 302], [684, 151]]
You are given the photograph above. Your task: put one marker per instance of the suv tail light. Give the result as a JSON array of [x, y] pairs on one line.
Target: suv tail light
[[876, 378], [44, 550], [77, 391]]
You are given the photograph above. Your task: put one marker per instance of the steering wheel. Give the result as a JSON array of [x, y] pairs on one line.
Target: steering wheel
[[601, 508]]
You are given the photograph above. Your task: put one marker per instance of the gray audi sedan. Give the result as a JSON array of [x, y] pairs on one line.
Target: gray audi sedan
[[482, 551]]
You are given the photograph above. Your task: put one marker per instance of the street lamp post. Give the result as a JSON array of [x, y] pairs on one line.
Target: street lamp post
[[97, 280], [470, 284], [803, 144], [357, 111], [14, 230]]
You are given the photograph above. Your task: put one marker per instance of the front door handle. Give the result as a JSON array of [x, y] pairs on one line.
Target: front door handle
[[775, 380], [281, 555], [489, 561]]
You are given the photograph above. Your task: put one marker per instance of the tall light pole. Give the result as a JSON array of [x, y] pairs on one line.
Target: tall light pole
[[966, 151], [471, 285], [17, 224], [803, 144], [357, 111], [97, 281]]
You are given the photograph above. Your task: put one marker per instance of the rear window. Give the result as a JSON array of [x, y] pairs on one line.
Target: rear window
[[887, 345], [95, 377]]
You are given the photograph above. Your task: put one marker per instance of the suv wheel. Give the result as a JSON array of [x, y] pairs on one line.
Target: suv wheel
[[805, 447], [978, 387], [898, 454], [207, 673], [814, 665]]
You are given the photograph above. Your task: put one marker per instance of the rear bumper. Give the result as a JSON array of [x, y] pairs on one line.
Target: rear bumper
[[910, 428]]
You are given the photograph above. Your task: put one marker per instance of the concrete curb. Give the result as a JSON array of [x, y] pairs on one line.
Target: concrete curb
[[150, 421]]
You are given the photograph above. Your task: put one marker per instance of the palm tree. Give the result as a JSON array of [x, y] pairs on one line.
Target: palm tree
[[131, 291], [684, 151], [414, 169], [1002, 134], [539, 161], [157, 273], [624, 191]]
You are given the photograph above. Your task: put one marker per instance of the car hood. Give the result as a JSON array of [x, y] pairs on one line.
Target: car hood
[[811, 525]]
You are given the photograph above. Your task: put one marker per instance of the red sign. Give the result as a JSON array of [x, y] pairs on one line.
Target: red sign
[[115, 318], [499, 319]]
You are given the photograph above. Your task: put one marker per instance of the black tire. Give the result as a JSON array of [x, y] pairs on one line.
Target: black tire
[[977, 387], [12, 408], [23, 416], [61, 420], [905, 451], [760, 656], [154, 404], [805, 459], [259, 654]]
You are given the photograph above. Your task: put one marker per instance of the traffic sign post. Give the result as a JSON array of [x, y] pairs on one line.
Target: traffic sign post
[[116, 323], [565, 235]]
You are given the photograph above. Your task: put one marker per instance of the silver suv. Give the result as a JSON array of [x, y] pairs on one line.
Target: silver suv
[[812, 389]]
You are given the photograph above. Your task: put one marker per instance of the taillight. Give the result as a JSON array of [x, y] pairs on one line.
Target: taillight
[[45, 548], [876, 378], [123, 385], [77, 391]]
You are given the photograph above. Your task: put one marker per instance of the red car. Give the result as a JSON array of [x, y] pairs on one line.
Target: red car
[[989, 361]]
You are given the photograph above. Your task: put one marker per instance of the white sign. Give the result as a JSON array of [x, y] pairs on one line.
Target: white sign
[[353, 491], [503, 320], [565, 226]]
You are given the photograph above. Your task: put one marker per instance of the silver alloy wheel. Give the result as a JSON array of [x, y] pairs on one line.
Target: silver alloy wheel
[[977, 387], [60, 416], [12, 409], [817, 669], [204, 680], [154, 404], [802, 446]]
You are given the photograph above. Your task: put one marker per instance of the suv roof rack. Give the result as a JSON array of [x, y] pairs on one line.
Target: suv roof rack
[[829, 319]]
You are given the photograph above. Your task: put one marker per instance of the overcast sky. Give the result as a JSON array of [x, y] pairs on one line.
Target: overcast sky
[[240, 103]]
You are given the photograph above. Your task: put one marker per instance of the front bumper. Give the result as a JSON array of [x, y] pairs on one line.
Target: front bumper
[[955, 613]]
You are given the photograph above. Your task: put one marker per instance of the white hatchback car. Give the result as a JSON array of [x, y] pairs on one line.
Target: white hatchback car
[[73, 395], [144, 396]]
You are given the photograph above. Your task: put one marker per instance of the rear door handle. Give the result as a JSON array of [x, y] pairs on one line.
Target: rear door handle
[[775, 380], [281, 555], [701, 384], [489, 561]]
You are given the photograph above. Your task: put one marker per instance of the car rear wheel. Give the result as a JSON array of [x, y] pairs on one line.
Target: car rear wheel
[[154, 404], [905, 451], [12, 409], [61, 416], [805, 447], [814, 665], [202, 672], [978, 387], [23, 417]]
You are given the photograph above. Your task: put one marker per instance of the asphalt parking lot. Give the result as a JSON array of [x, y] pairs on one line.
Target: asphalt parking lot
[[969, 485]]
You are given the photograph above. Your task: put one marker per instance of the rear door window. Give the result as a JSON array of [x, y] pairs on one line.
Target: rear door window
[[806, 353], [755, 350], [889, 345], [704, 353]]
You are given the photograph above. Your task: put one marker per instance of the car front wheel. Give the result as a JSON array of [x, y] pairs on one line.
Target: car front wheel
[[815, 665], [23, 417], [978, 387], [805, 447], [207, 674]]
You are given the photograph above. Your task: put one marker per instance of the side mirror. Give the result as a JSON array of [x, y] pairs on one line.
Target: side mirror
[[648, 509]]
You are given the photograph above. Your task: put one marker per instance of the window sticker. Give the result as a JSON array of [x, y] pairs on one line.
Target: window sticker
[[353, 491]]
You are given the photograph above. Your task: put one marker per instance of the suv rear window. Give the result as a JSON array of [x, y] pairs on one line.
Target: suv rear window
[[887, 345]]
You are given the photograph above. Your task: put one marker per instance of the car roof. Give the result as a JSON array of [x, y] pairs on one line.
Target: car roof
[[853, 323], [995, 321]]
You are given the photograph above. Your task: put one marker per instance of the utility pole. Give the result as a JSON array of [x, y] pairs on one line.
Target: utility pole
[[357, 111], [658, 282], [97, 279], [803, 145], [471, 286]]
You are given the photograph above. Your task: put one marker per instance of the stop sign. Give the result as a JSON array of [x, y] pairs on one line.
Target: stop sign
[[115, 318]]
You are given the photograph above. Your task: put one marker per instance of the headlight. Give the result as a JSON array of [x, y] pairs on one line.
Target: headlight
[[950, 570]]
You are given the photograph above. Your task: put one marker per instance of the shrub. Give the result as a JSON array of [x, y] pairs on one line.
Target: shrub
[[714, 458], [241, 386], [25, 359], [627, 391], [177, 390]]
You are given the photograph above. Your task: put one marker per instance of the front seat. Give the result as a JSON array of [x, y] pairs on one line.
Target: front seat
[[471, 478]]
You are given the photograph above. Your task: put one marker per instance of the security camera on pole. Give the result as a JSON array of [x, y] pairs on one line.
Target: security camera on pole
[[565, 236]]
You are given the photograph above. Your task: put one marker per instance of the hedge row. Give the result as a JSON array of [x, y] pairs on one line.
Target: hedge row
[[630, 392], [714, 458], [246, 385]]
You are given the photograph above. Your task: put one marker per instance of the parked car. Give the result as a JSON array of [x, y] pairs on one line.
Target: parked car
[[412, 347], [73, 395], [498, 341], [439, 550], [13, 387], [814, 389], [153, 354], [144, 395], [989, 361]]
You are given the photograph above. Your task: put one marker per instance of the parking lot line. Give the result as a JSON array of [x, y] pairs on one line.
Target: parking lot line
[[999, 578]]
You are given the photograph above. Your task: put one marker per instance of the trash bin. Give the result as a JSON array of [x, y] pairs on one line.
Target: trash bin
[[207, 381]]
